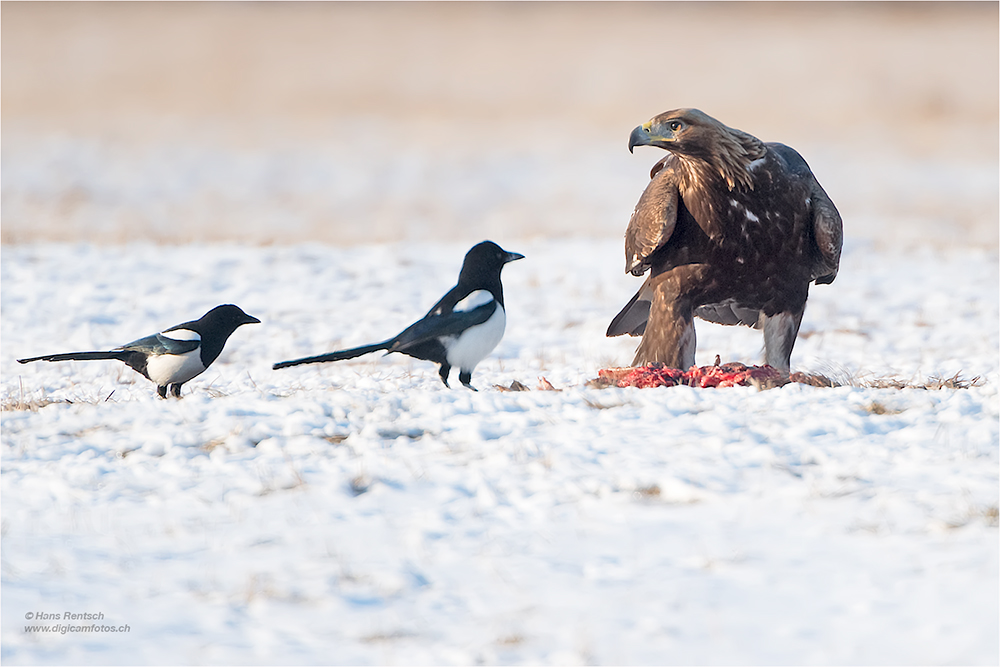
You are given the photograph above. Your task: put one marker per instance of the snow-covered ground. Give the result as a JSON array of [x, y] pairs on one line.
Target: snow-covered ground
[[362, 513]]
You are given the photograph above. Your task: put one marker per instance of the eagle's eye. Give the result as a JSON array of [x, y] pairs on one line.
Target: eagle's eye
[[675, 125]]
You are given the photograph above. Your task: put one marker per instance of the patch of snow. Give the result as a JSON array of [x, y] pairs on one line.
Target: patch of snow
[[360, 512]]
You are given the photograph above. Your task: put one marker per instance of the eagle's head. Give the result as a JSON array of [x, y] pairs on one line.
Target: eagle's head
[[685, 131], [696, 137]]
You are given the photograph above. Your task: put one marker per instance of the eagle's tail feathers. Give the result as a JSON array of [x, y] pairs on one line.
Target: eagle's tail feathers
[[729, 313], [633, 317]]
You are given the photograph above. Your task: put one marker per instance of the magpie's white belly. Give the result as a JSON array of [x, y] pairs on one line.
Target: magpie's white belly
[[472, 346], [166, 369]]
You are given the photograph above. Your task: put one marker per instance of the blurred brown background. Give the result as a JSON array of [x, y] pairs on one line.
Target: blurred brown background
[[289, 122]]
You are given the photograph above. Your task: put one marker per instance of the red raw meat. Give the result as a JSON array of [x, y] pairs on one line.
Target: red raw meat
[[722, 375]]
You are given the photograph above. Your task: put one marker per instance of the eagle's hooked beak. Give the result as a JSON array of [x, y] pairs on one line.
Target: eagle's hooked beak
[[643, 136]]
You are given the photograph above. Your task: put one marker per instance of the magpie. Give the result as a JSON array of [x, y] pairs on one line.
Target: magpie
[[174, 356], [460, 330]]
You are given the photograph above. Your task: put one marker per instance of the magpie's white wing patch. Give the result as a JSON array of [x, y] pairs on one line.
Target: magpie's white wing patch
[[476, 299], [181, 334]]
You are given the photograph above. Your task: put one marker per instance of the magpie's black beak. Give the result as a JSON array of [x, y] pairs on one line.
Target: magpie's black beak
[[511, 256], [250, 319]]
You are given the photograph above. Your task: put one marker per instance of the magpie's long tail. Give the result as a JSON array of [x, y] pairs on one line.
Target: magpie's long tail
[[121, 355], [336, 356]]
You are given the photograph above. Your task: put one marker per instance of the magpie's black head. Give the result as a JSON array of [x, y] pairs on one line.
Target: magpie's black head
[[223, 319], [484, 260]]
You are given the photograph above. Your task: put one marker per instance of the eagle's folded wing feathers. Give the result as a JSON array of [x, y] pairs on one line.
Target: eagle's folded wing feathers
[[653, 221]]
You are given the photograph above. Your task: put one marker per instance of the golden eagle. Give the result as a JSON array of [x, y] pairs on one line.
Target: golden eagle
[[731, 229]]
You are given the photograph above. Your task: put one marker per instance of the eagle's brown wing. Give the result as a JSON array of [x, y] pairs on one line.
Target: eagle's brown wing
[[827, 227], [654, 218], [828, 234]]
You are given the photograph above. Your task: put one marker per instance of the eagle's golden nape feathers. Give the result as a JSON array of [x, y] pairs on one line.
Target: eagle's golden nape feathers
[[730, 229]]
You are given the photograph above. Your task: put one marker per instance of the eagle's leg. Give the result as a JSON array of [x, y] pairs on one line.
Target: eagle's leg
[[669, 338], [780, 331]]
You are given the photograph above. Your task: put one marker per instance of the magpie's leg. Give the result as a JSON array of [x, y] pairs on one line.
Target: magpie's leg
[[466, 378], [162, 390], [176, 390], [444, 373]]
